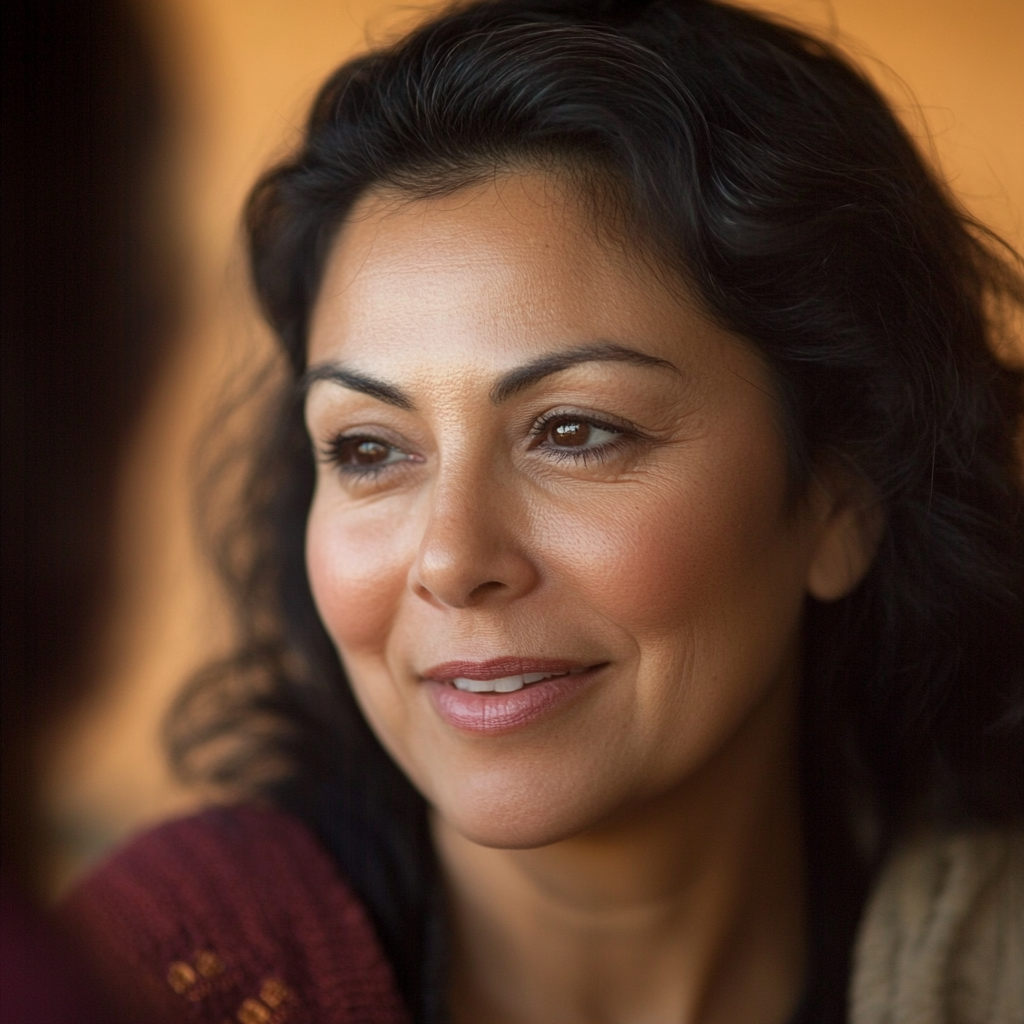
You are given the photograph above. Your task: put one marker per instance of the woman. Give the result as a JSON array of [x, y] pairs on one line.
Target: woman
[[630, 580]]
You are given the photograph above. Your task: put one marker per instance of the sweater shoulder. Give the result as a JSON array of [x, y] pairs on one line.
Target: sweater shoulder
[[235, 913], [943, 934]]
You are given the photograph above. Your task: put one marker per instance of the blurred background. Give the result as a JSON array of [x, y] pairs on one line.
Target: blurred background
[[241, 74]]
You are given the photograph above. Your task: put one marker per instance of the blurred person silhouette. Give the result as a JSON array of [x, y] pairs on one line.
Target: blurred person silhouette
[[629, 571], [87, 304]]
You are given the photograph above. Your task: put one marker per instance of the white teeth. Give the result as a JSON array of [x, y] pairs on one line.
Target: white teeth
[[508, 684], [474, 685]]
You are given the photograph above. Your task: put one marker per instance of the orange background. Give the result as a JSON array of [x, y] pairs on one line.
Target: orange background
[[241, 73]]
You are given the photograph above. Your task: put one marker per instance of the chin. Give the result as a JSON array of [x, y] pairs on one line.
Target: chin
[[521, 814]]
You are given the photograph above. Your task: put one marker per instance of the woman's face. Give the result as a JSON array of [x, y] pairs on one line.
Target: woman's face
[[544, 476]]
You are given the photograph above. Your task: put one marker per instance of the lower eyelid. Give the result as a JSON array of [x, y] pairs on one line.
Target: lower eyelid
[[605, 449]]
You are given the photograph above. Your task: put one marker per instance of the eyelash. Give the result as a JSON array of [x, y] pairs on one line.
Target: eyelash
[[333, 452]]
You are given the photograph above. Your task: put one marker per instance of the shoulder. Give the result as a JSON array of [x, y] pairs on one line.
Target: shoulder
[[235, 913], [943, 934]]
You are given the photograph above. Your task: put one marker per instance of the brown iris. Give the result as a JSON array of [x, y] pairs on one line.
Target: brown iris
[[363, 452], [569, 433]]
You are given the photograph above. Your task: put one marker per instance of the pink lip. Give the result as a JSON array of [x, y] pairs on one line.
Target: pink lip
[[499, 668], [497, 713]]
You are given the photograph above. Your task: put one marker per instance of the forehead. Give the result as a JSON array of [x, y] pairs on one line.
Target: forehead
[[495, 272]]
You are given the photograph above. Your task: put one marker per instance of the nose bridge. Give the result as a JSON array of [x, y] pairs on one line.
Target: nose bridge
[[472, 548]]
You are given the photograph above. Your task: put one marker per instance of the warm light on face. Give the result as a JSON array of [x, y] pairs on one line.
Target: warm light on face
[[535, 460]]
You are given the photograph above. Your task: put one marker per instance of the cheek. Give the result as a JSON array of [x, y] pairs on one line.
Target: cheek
[[679, 550], [700, 572], [357, 571]]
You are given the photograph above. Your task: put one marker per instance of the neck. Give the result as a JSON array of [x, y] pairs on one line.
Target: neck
[[686, 908]]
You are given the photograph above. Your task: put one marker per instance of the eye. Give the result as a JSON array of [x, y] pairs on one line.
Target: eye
[[363, 455], [575, 437], [568, 432]]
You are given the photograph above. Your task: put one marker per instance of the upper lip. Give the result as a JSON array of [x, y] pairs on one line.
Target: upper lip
[[501, 668]]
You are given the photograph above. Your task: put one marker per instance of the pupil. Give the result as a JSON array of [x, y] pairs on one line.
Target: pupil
[[571, 433]]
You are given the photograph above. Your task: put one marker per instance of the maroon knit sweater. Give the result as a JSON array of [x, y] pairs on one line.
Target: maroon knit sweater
[[234, 915]]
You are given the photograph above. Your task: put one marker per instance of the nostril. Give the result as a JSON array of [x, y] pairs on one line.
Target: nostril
[[472, 560]]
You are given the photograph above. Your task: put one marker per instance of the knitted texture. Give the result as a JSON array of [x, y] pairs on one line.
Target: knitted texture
[[234, 915], [238, 916], [942, 941]]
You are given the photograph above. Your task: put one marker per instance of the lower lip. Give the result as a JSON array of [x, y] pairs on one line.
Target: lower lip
[[495, 713]]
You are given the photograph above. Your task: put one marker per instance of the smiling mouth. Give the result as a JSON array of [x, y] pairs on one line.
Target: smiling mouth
[[501, 696], [503, 675]]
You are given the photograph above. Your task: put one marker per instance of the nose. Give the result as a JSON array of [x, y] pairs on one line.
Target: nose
[[474, 546]]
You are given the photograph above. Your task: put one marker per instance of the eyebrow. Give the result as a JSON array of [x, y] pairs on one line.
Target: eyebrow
[[603, 352], [509, 384], [355, 381]]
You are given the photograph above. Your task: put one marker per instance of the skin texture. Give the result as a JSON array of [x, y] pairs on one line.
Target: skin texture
[[634, 855]]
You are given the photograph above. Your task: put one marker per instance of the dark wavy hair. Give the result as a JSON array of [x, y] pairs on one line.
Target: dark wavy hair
[[756, 163]]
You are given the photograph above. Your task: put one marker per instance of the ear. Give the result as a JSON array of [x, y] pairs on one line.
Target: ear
[[850, 526]]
